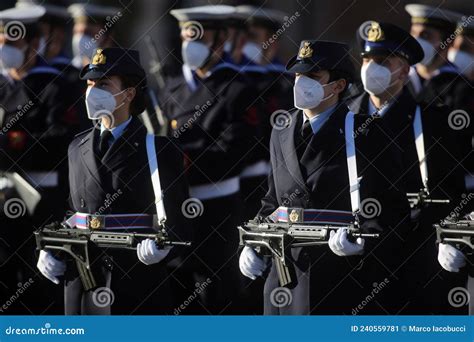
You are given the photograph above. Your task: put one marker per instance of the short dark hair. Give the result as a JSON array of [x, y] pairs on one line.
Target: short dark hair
[[335, 75], [137, 106]]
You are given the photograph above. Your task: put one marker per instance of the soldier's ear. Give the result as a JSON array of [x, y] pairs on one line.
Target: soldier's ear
[[340, 85], [131, 93], [405, 69]]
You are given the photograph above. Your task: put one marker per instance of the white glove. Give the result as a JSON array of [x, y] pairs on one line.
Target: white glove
[[50, 267], [251, 265], [148, 253], [341, 246], [450, 258]]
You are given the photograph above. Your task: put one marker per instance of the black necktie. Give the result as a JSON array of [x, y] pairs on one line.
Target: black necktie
[[105, 138], [307, 130], [305, 136]]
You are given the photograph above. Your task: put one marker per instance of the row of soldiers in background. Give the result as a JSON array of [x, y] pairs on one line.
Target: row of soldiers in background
[[220, 110], [41, 109], [193, 105]]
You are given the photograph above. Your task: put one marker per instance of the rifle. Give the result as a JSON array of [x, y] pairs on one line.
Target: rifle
[[277, 239], [459, 233], [24, 190], [422, 199], [78, 242]]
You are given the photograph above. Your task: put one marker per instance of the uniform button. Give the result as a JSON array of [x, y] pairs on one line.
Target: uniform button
[[83, 203], [174, 124]]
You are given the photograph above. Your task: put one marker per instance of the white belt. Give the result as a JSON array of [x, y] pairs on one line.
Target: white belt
[[354, 181], [42, 179], [261, 168], [420, 146], [220, 189], [155, 178]]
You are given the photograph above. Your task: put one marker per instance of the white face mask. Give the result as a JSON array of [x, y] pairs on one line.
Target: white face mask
[[308, 93], [463, 60], [100, 102], [194, 53], [376, 78], [83, 45], [11, 57], [253, 51], [429, 51]]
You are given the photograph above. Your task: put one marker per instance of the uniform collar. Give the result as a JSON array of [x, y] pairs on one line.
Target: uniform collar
[[118, 130], [318, 120], [380, 111]]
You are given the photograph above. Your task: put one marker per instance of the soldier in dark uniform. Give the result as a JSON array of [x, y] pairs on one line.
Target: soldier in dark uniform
[[37, 125], [310, 170], [259, 61], [93, 28], [110, 161], [435, 79], [256, 57], [461, 54], [44, 128], [207, 110], [54, 27], [429, 151]]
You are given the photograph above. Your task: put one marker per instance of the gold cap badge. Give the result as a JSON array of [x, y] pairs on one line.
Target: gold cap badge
[[99, 57], [306, 51], [375, 33]]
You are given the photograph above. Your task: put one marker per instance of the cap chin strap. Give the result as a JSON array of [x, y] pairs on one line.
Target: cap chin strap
[[155, 179]]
